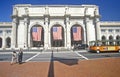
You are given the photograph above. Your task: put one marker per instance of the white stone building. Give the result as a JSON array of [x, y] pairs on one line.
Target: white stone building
[[5, 35], [25, 17], [110, 30]]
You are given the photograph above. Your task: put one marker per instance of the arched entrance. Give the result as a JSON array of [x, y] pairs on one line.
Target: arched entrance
[[57, 36], [37, 36], [118, 38], [111, 40], [8, 42], [0, 42], [76, 35], [103, 39]]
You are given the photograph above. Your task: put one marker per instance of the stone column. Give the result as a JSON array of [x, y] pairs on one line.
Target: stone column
[[14, 33], [98, 33], [29, 38], [49, 38], [47, 42], [86, 22], [4, 40], [68, 33], [46, 32], [90, 27], [26, 23], [96, 23], [87, 30], [15, 23], [26, 32], [85, 35]]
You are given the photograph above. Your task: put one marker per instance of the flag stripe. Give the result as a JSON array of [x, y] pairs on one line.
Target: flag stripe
[[39, 33]]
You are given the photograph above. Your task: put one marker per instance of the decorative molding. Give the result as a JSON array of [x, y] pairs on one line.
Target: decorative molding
[[14, 16]]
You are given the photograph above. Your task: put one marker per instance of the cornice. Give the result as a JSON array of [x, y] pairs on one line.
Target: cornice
[[14, 16], [109, 22]]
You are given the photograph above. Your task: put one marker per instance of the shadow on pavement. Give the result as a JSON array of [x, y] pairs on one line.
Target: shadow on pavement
[[66, 61], [62, 60], [51, 67]]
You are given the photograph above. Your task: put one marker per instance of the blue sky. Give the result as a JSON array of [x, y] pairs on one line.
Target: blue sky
[[109, 9]]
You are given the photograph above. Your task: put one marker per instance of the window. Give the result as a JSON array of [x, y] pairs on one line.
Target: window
[[110, 30], [1, 32], [8, 31], [103, 30], [117, 30]]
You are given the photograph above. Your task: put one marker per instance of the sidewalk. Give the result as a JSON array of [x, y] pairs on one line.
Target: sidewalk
[[88, 68], [45, 51]]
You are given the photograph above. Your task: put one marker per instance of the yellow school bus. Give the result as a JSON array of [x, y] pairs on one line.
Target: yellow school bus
[[104, 45]]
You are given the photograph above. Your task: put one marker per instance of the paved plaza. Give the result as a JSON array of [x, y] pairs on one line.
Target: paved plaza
[[47, 56], [52, 63]]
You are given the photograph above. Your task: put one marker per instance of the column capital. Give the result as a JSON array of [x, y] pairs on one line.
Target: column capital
[[14, 16], [67, 18], [46, 18], [26, 20], [15, 20], [25, 16]]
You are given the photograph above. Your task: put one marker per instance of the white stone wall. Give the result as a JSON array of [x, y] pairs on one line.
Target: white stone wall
[[47, 16]]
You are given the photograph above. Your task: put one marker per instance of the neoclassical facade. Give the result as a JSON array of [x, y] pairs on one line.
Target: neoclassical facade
[[26, 17], [5, 35], [109, 30]]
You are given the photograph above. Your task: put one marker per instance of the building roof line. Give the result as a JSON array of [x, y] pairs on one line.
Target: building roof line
[[59, 5]]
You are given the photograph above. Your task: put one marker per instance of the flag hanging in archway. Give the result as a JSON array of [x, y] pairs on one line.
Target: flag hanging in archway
[[36, 33], [76, 33], [57, 33]]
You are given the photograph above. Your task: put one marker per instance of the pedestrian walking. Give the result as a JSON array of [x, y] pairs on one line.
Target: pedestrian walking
[[14, 57], [20, 55]]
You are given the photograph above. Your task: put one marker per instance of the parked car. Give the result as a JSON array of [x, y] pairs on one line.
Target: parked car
[[81, 46]]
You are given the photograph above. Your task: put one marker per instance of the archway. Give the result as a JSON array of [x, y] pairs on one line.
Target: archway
[[0, 42], [8, 42], [103, 39], [111, 40], [77, 36], [57, 36], [118, 40], [37, 36], [117, 37]]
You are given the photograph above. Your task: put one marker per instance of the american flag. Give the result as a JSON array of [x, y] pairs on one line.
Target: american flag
[[36, 33], [57, 33], [76, 33]]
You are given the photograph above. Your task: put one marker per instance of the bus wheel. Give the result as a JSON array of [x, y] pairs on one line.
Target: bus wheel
[[98, 51], [119, 51]]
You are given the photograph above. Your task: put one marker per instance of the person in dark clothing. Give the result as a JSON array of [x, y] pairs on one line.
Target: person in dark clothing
[[20, 55]]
